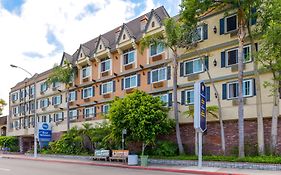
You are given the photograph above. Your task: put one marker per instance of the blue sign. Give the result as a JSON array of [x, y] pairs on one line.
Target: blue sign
[[200, 120], [44, 132]]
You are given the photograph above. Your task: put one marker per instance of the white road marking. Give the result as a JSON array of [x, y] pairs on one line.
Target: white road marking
[[5, 169]]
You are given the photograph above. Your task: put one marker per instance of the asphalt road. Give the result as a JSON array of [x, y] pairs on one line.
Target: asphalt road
[[28, 167]]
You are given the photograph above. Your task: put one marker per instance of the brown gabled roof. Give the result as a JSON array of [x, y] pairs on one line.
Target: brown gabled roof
[[133, 27]]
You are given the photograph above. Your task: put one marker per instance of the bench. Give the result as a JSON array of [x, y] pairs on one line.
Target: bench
[[101, 155], [119, 155]]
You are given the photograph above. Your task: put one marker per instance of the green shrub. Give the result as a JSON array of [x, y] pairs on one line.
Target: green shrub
[[164, 148], [10, 142]]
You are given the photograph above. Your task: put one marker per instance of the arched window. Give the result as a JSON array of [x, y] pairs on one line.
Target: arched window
[[152, 24], [124, 36]]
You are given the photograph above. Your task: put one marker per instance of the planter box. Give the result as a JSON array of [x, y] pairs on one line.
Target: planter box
[[158, 84], [157, 57], [129, 66]]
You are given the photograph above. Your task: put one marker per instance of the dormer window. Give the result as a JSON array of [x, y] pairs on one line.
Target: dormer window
[[153, 24], [100, 46], [124, 36], [81, 55]]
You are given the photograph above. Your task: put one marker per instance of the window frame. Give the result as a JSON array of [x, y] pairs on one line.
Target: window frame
[[87, 69], [251, 86], [56, 101], [43, 85], [186, 92], [45, 101], [166, 96], [244, 62], [60, 118], [225, 21], [201, 34], [127, 53], [107, 83], [70, 95], [193, 60], [130, 77], [71, 116], [151, 77], [156, 50], [90, 115], [104, 61], [91, 92], [105, 106]]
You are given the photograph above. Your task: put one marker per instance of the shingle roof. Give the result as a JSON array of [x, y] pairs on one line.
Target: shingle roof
[[133, 27]]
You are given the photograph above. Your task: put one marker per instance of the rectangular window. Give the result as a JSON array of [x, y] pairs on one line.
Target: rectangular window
[[44, 118], [189, 97], [107, 87], [73, 114], [58, 117], [128, 56], [90, 112], [198, 34], [31, 90], [130, 82], [231, 23], [105, 65], [156, 49], [232, 55], [87, 92], [57, 100], [15, 96], [15, 110], [72, 96], [86, 71], [56, 84], [193, 66], [105, 109], [43, 87], [159, 75], [164, 98], [233, 89], [44, 103]]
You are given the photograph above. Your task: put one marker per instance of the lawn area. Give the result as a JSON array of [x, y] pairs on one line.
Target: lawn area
[[252, 159]]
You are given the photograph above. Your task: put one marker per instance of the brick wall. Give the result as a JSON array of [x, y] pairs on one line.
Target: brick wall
[[212, 139]]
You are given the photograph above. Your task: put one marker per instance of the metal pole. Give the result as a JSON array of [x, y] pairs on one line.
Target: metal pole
[[200, 150], [35, 119], [123, 141]]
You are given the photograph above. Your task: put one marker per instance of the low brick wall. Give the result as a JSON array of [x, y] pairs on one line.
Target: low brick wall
[[212, 139], [56, 156]]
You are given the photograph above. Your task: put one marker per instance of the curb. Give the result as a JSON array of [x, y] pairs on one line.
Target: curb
[[124, 166]]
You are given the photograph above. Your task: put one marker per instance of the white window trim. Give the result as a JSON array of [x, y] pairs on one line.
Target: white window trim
[[91, 114], [190, 90], [156, 50], [44, 84], [225, 22], [72, 92], [158, 75], [202, 67], [91, 94], [73, 117], [109, 65], [226, 55], [132, 61], [201, 34], [236, 82], [124, 85], [167, 96], [85, 68], [59, 118], [107, 83], [45, 103], [56, 100], [103, 108]]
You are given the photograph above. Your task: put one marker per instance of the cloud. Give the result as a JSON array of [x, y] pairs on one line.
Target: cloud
[[35, 33]]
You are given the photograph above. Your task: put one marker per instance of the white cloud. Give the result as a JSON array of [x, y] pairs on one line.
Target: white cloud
[[72, 22]]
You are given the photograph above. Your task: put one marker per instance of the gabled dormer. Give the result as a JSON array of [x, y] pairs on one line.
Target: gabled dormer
[[154, 22], [83, 56], [125, 40], [66, 57], [102, 49]]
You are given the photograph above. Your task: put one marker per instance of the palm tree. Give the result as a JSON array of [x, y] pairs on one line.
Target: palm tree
[[63, 74], [2, 104], [170, 38]]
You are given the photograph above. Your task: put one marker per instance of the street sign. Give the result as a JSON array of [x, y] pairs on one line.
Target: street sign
[[44, 132], [200, 120]]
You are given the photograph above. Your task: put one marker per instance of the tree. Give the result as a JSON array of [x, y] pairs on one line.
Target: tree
[[191, 12], [63, 74], [2, 104], [172, 39], [269, 57], [143, 115]]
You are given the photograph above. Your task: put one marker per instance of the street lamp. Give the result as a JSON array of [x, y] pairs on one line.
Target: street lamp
[[35, 114]]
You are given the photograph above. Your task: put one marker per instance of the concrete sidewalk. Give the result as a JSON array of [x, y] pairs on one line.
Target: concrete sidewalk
[[176, 169]]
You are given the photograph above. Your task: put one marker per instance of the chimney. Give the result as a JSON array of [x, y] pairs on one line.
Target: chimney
[[117, 32], [143, 22]]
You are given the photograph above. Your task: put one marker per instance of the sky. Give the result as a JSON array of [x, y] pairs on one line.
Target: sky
[[35, 33]]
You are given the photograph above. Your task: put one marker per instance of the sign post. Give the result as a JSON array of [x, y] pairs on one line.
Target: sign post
[[200, 121], [44, 133]]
